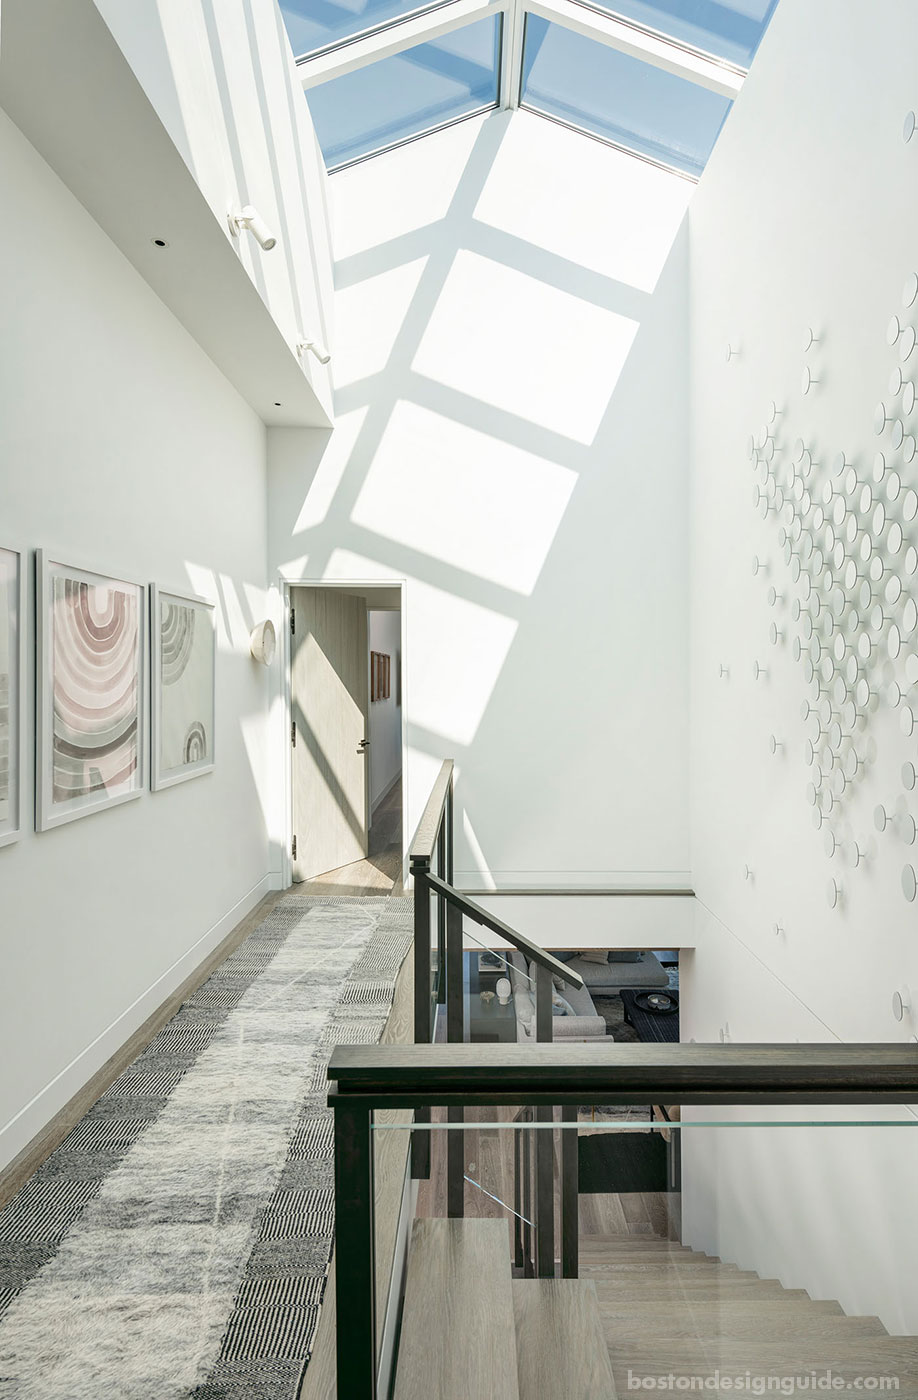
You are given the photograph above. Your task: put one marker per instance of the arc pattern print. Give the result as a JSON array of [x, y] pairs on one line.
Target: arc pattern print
[[92, 642], [96, 688], [183, 687]]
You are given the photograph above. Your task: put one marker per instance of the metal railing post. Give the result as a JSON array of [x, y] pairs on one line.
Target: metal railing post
[[544, 1145], [355, 1253], [570, 1202], [455, 1034], [420, 869]]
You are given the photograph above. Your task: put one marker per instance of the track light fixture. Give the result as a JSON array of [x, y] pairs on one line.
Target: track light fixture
[[249, 218], [314, 347]]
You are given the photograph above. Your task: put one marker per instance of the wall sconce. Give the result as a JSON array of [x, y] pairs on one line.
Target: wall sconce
[[263, 643], [313, 347], [249, 218]]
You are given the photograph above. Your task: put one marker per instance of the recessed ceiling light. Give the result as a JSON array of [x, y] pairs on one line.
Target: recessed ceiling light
[[159, 242], [277, 405]]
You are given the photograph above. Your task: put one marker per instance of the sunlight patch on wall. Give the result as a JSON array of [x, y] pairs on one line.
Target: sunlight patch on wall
[[335, 458], [527, 348], [588, 203], [462, 648], [479, 860], [464, 497], [369, 317], [456, 653]]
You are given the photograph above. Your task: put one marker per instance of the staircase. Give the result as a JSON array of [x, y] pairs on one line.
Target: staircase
[[643, 1307]]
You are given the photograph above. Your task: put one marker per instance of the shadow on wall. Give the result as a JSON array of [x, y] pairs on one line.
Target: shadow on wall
[[511, 402]]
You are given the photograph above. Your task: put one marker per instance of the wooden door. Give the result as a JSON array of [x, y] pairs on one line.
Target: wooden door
[[329, 709]]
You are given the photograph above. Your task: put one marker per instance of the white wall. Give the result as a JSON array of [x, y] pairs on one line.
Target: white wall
[[385, 635], [223, 81], [121, 447], [511, 441], [807, 215]]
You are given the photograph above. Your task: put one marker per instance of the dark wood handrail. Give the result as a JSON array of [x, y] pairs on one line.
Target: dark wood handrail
[[425, 838], [518, 940], [451, 1075]]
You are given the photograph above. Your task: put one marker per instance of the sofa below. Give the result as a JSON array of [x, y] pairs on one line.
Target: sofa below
[[584, 1024], [638, 970]]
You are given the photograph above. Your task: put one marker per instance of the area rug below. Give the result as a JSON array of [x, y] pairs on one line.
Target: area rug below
[[176, 1245]]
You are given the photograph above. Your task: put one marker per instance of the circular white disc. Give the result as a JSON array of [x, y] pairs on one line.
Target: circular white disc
[[909, 617], [805, 381], [879, 519], [909, 883], [909, 448], [879, 818], [911, 668], [910, 563], [910, 289], [893, 330], [894, 642], [893, 486], [893, 590], [879, 467], [832, 894], [907, 721], [908, 776], [908, 126], [910, 505], [897, 433], [906, 343], [880, 418], [907, 828], [894, 539]]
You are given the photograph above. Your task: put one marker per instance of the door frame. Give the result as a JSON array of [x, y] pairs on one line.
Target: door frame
[[368, 586]]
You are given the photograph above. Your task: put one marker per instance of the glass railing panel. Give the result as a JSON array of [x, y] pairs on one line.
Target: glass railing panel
[[755, 1249]]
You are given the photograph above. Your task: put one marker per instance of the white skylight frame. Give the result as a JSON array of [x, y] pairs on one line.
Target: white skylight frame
[[394, 36]]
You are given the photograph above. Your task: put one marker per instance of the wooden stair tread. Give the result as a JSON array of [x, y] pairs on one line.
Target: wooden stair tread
[[458, 1327], [561, 1350]]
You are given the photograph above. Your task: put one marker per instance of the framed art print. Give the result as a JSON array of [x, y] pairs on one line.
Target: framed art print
[[12, 693], [91, 691], [184, 686]]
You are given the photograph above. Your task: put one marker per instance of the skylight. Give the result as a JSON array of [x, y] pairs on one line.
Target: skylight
[[314, 24], [612, 95], [653, 77], [729, 29], [396, 98]]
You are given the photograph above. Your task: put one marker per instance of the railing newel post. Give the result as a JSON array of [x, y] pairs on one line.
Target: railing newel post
[[355, 1252]]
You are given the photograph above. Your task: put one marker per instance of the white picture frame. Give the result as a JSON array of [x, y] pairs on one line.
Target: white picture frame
[[184, 666], [13, 725], [91, 691]]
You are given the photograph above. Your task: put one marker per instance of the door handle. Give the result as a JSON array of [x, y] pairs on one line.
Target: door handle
[[363, 745]]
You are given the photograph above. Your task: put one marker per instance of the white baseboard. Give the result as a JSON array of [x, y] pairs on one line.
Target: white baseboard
[[37, 1114]]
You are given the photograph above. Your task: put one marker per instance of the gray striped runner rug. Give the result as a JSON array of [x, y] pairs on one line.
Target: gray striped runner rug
[[176, 1245]]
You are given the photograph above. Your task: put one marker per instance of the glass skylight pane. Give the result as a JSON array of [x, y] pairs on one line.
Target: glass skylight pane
[[730, 29], [634, 104], [399, 97], [314, 24]]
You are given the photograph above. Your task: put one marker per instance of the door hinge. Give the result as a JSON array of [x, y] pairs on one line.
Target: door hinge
[[293, 734], [293, 622], [293, 848]]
